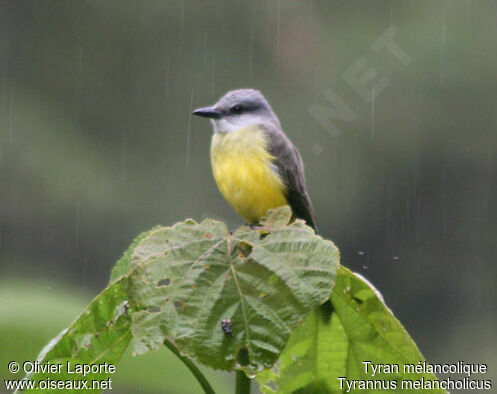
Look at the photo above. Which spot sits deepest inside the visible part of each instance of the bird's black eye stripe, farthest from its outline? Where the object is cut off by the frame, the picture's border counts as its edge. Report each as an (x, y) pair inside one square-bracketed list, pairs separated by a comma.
[(237, 108)]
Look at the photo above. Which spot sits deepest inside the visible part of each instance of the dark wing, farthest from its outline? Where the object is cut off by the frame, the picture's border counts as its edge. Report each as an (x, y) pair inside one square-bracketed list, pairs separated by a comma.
[(291, 170)]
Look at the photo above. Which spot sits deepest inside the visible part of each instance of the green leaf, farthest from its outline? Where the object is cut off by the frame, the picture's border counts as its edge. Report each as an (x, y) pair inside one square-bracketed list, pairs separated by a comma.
[(99, 335), (361, 328), (186, 279), (31, 313)]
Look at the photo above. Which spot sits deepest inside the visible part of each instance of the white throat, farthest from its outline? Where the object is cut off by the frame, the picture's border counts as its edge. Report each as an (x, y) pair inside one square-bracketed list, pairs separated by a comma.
[(229, 124)]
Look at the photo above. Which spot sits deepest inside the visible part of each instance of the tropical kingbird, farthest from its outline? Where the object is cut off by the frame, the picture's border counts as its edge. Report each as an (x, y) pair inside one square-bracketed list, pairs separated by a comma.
[(255, 165)]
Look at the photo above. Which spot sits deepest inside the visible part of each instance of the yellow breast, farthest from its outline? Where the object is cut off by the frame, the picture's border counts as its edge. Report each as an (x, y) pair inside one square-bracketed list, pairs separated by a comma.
[(242, 168)]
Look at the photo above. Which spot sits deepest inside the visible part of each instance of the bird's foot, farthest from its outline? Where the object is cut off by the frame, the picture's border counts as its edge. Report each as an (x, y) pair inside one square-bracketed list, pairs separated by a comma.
[(255, 227)]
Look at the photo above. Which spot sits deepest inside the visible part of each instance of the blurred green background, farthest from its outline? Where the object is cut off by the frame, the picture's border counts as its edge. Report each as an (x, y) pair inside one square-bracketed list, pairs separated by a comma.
[(97, 144)]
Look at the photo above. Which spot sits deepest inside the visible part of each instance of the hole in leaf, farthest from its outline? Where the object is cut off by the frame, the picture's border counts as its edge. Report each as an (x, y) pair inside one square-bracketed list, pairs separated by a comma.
[(245, 249), (155, 309), (179, 304), (164, 282), (263, 234), (242, 357)]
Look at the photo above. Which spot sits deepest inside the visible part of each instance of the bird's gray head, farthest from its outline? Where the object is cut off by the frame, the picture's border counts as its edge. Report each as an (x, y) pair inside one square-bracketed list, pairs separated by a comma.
[(238, 109)]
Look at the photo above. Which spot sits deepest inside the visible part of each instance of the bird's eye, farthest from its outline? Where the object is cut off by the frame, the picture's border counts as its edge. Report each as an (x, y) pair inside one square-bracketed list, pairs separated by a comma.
[(236, 109)]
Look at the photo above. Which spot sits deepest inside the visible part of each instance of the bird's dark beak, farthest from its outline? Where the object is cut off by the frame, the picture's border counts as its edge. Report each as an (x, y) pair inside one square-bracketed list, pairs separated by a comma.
[(207, 112)]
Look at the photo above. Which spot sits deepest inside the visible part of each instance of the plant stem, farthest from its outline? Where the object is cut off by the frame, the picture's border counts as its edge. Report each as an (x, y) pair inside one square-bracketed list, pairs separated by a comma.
[(242, 383), (201, 379)]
